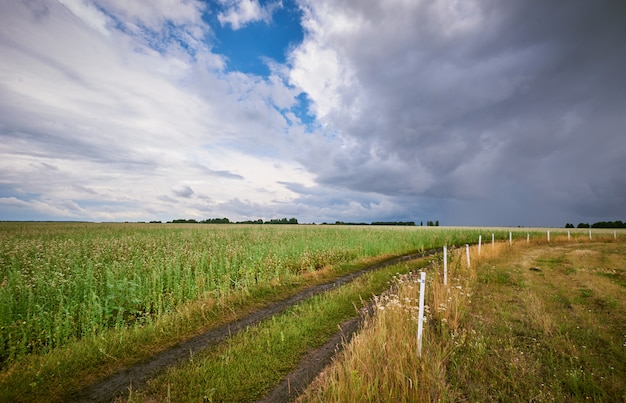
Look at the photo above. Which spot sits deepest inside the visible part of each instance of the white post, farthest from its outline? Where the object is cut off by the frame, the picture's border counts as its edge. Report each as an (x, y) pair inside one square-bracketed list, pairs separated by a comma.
[(590, 234), (420, 320), (480, 241), (510, 238), (548, 235), (445, 265), (528, 237), (467, 253), (614, 234), (568, 235), (493, 242)]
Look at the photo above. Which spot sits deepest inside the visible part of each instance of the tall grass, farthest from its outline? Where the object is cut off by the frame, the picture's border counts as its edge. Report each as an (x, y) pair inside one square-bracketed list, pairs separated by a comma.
[(66, 281), (250, 363), (381, 363), (538, 322)]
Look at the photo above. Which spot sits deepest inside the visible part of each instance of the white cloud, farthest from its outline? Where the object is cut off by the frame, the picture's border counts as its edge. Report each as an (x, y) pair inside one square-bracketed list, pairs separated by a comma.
[(155, 12), (239, 13), (89, 14), (112, 110), (115, 127), (321, 68)]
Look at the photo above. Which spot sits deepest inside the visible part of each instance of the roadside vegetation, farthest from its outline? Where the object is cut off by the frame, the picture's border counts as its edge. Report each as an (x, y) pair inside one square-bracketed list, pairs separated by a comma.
[(249, 364), (79, 301), (543, 321)]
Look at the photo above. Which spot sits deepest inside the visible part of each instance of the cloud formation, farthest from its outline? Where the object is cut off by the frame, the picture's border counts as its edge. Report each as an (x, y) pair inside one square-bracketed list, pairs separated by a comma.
[(476, 103), (473, 113), (238, 13)]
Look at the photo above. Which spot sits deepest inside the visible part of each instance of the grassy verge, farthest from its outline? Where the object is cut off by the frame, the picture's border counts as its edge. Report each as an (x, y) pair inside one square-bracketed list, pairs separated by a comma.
[(547, 324), (382, 363), (541, 322), (250, 363)]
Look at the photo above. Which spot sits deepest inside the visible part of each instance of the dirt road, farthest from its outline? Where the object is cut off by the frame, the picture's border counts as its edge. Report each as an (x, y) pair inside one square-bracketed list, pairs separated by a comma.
[(118, 384)]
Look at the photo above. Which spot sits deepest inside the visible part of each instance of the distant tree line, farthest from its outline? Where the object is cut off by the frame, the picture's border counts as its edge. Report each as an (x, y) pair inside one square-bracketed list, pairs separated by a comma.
[(401, 223), (599, 224), (293, 221), (227, 221), (398, 223)]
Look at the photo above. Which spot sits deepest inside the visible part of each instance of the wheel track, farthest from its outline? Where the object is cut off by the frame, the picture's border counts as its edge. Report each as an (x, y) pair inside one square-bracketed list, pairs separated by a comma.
[(118, 384)]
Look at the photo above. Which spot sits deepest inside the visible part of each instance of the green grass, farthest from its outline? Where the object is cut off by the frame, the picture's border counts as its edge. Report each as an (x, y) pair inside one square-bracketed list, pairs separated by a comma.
[(63, 282), (249, 364), (79, 301)]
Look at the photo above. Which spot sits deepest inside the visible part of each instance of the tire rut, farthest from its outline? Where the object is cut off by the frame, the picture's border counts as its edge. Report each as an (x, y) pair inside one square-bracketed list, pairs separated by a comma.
[(118, 384), (315, 361)]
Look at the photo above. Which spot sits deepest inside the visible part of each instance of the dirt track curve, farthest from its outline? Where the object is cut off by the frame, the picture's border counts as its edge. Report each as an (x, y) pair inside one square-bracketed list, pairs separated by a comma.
[(117, 385)]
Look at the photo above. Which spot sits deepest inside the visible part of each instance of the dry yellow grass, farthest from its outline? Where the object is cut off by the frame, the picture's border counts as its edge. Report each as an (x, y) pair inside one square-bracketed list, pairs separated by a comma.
[(536, 321), (382, 363)]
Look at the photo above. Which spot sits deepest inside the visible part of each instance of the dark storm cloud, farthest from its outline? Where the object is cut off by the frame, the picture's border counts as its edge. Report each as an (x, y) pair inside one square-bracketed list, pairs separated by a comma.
[(459, 104), (468, 112)]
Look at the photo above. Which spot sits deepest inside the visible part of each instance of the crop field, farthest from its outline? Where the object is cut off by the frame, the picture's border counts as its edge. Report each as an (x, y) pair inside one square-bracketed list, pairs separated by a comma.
[(69, 292)]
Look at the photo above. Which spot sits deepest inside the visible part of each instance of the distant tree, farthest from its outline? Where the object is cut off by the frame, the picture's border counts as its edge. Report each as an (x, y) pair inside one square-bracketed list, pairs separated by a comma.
[(583, 225), (398, 223), (184, 221), (568, 225), (282, 221), (216, 221), (608, 224), (259, 221), (437, 223)]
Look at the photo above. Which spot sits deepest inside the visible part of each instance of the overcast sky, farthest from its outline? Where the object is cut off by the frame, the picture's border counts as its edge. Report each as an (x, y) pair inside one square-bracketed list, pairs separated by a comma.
[(498, 113)]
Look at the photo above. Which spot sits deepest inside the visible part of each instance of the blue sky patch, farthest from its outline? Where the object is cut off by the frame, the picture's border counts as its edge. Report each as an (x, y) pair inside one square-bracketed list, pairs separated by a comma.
[(247, 48)]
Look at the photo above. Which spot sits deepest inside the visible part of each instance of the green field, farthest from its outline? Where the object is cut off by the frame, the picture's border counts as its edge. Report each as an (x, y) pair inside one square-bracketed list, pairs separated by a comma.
[(87, 298), (62, 282)]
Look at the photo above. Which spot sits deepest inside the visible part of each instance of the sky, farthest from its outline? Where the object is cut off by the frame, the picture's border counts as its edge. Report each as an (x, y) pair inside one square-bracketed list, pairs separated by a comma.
[(469, 112)]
